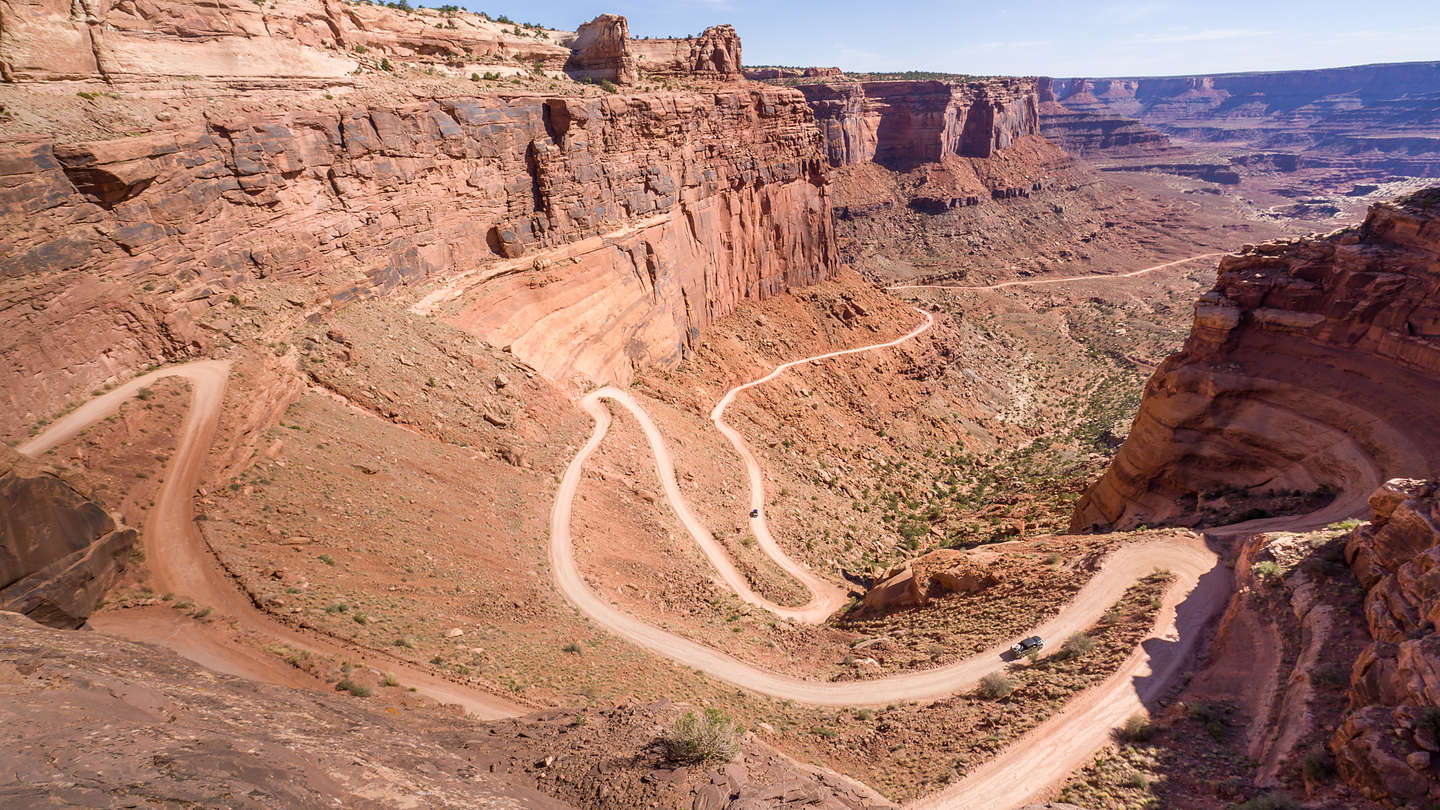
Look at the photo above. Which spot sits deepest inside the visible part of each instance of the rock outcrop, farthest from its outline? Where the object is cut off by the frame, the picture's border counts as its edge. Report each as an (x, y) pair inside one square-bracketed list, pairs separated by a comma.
[(1376, 116), (603, 50), (901, 125), (1389, 742), (59, 551), (1312, 365)]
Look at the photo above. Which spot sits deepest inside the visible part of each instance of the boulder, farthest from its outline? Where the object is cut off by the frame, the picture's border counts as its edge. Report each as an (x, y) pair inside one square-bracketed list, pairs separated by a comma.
[(59, 550), (900, 589)]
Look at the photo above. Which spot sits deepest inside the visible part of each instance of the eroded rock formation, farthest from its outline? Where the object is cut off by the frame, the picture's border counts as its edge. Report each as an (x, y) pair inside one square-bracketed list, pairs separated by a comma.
[(604, 50), (904, 124), (1389, 742), (1312, 364), (59, 551)]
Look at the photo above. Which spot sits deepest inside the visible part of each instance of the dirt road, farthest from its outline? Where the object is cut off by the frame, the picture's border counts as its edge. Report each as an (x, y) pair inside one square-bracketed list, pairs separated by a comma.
[(181, 562), (1034, 282)]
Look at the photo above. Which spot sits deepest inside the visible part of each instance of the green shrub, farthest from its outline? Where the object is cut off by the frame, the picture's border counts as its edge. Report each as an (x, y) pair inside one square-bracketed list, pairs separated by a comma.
[(994, 686), (1268, 570), (608, 86), (385, 65), (710, 736)]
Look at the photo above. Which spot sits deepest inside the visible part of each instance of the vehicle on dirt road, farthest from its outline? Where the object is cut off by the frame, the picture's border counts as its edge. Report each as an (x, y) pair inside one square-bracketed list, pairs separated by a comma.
[(1026, 645), (754, 513)]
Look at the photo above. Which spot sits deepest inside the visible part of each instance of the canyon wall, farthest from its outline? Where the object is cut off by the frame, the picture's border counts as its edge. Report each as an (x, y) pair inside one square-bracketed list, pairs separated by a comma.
[(1381, 116), (658, 212), (1313, 365), (1088, 130), (901, 125)]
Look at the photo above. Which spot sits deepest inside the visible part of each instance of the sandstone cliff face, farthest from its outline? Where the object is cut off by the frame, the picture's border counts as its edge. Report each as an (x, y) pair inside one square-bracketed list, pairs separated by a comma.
[(904, 124), (1312, 363), (1389, 742), (59, 551), (640, 218)]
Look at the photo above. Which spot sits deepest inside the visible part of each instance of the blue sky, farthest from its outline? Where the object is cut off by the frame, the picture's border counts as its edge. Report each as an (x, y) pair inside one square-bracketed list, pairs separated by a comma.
[(1030, 38)]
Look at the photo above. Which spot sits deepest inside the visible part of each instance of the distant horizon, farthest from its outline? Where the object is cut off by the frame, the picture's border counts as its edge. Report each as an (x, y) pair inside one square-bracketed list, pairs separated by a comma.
[(749, 64), (1111, 39)]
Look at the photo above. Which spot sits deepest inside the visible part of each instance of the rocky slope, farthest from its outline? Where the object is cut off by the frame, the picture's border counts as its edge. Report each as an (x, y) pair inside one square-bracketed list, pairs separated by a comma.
[(1311, 368), (181, 734), (1373, 116)]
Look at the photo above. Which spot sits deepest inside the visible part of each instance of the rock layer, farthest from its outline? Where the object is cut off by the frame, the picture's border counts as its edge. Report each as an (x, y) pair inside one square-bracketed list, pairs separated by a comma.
[(1092, 130), (1312, 363), (904, 124)]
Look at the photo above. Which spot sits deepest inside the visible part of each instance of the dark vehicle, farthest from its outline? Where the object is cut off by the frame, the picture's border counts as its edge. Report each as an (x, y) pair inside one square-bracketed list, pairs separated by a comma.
[(754, 513), (1026, 645)]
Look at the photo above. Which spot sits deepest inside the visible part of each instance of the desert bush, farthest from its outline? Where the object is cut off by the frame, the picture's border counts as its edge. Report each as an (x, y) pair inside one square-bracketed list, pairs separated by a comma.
[(356, 689), (1077, 645), (710, 736), (994, 686), (1318, 766), (608, 86), (1138, 728)]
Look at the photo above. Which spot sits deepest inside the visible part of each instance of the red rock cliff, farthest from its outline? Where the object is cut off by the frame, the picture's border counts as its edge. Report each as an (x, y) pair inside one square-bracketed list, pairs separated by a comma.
[(1311, 364), (903, 124), (1389, 742), (608, 231), (603, 49)]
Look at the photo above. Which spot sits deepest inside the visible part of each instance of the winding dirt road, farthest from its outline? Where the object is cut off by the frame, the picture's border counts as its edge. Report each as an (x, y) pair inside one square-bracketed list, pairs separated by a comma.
[(1031, 766), (181, 562), (1035, 282)]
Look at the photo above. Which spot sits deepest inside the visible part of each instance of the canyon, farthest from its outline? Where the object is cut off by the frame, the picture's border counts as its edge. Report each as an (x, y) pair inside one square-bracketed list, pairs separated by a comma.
[(407, 401)]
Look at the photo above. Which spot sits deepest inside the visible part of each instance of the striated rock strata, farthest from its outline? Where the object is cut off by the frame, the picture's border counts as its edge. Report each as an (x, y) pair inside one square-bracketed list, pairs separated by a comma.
[(59, 551), (1376, 116), (1389, 742), (903, 124), (1312, 364), (607, 231), (1091, 130)]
